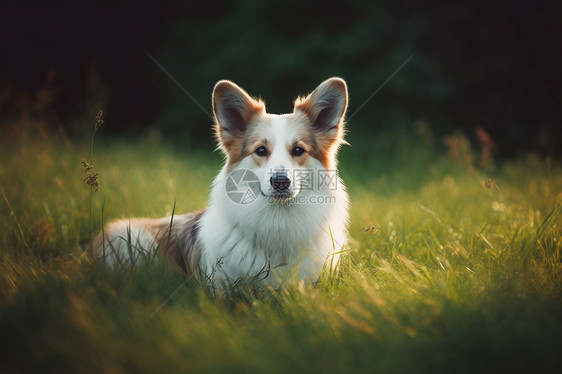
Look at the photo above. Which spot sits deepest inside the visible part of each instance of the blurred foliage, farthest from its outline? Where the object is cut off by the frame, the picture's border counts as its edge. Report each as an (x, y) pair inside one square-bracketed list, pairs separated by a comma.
[(279, 51), (468, 56), (477, 64)]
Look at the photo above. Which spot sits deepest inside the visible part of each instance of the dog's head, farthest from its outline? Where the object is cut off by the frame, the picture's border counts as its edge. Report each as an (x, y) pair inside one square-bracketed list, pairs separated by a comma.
[(279, 148)]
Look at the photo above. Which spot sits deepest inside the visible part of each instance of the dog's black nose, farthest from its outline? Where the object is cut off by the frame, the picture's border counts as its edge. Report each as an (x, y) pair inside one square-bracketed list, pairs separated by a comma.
[(280, 182)]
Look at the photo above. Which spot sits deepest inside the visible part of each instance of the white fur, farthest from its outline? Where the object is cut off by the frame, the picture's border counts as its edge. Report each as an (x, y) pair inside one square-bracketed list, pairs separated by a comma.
[(269, 242), (241, 240)]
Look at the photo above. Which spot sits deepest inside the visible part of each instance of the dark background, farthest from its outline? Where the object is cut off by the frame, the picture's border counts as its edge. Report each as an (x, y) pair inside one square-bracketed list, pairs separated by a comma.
[(477, 64)]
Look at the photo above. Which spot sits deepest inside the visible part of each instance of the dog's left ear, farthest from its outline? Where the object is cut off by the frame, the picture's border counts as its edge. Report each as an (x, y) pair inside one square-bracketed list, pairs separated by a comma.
[(326, 106)]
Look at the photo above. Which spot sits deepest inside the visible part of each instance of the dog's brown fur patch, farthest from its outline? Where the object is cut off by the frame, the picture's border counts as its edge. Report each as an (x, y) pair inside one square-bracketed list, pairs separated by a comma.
[(182, 244)]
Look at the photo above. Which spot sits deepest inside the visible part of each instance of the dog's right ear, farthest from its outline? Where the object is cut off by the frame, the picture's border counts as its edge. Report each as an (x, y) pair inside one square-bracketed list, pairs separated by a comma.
[(233, 109)]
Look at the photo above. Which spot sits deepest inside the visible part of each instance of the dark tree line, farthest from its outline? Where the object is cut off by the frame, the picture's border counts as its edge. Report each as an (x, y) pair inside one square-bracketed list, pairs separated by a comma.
[(476, 64)]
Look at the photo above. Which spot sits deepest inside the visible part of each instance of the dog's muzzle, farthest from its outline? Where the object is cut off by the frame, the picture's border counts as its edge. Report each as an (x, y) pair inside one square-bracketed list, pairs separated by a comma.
[(280, 182)]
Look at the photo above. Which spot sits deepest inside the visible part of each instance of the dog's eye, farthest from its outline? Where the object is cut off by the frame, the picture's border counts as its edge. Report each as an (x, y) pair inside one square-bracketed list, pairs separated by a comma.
[(261, 151), (297, 151)]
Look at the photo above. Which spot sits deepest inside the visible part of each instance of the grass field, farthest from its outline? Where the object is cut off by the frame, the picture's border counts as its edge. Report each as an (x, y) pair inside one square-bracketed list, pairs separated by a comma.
[(450, 269)]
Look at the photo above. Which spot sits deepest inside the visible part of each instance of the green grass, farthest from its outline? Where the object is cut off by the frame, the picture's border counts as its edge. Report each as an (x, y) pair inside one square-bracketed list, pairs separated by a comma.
[(452, 276)]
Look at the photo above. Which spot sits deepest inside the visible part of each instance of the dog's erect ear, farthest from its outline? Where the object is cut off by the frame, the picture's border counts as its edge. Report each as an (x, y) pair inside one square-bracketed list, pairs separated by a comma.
[(233, 108), (326, 106)]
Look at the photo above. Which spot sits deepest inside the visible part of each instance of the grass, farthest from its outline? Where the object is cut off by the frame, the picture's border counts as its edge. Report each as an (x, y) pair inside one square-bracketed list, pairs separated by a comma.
[(449, 269)]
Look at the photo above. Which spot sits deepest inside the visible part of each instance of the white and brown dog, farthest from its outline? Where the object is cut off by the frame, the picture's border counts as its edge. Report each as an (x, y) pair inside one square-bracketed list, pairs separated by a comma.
[(277, 210)]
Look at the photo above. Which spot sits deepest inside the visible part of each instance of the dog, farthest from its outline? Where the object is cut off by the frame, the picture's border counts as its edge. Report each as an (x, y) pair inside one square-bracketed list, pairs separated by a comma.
[(277, 210)]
